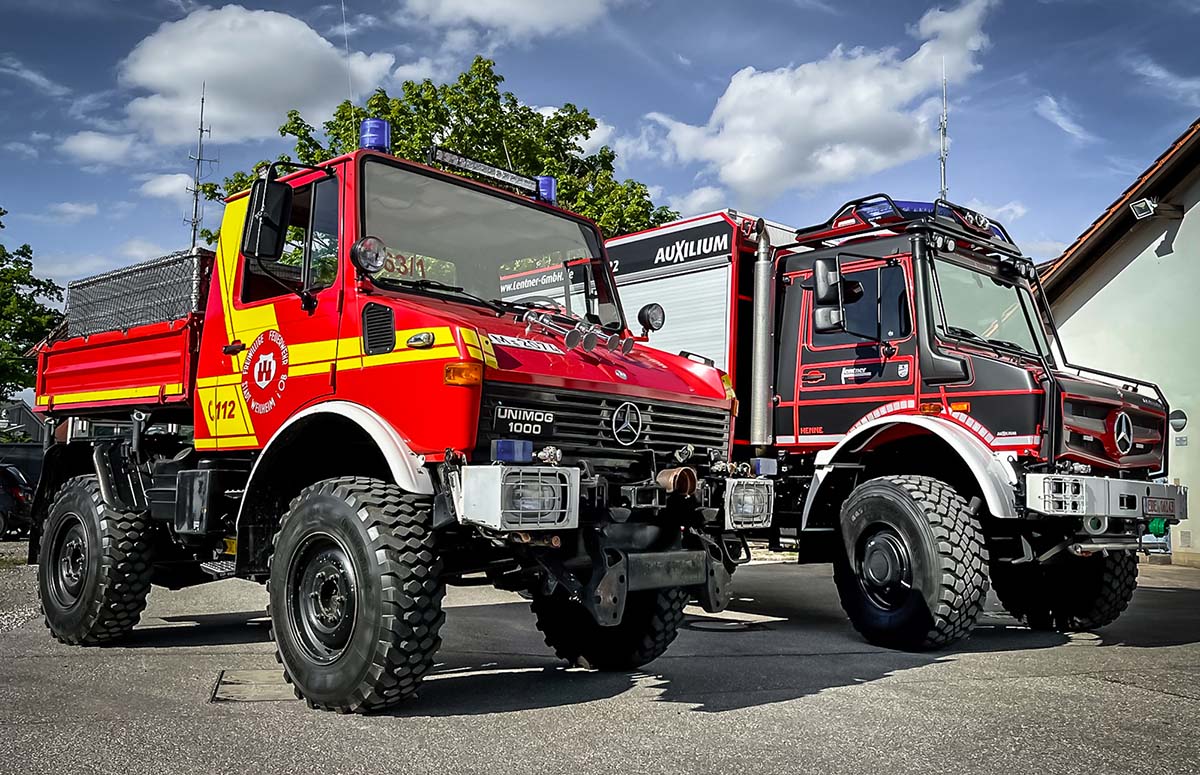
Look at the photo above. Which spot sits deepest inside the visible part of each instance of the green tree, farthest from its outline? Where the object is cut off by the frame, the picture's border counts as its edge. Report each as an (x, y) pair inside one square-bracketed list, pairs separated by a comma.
[(25, 318), (473, 116)]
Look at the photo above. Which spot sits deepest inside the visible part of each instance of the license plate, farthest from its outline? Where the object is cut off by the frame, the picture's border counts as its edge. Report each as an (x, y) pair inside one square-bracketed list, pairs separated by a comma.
[(1158, 507)]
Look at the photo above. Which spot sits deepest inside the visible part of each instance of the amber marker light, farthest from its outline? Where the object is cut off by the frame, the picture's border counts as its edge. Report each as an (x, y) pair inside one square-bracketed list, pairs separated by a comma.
[(463, 373), (930, 408)]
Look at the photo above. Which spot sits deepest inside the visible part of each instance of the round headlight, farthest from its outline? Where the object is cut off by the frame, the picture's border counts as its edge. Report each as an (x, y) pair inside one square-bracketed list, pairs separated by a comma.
[(652, 317), (369, 254)]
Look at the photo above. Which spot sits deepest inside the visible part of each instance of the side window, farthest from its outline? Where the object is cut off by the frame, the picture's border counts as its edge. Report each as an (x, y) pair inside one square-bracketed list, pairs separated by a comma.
[(883, 303), (310, 252)]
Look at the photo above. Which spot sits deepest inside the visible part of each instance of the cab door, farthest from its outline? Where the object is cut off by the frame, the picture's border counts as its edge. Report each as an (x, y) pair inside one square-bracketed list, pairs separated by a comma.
[(838, 380), (285, 318)]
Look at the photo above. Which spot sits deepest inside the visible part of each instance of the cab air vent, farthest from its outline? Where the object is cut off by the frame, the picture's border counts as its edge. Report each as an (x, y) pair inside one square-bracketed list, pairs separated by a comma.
[(379, 329)]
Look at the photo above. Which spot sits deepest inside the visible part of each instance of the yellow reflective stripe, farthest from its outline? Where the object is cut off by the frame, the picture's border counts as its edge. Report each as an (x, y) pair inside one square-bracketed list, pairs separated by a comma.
[(474, 352), (228, 442), (113, 394), (489, 354), (206, 443), (469, 336), (224, 379)]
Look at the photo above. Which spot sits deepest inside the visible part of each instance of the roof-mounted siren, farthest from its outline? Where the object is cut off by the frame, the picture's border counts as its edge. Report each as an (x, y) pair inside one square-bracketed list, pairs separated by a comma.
[(375, 134)]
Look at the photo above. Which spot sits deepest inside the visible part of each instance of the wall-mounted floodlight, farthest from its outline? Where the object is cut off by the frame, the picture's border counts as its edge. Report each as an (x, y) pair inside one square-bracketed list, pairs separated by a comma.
[(1150, 207)]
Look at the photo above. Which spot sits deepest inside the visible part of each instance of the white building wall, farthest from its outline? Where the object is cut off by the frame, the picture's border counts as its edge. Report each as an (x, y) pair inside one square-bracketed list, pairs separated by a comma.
[(1136, 311)]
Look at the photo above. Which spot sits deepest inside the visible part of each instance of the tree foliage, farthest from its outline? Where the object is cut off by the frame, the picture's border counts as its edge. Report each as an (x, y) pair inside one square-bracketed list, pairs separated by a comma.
[(473, 116), (25, 318)]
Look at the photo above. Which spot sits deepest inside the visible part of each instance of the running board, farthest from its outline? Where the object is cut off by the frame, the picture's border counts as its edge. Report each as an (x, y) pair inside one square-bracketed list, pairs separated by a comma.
[(219, 569)]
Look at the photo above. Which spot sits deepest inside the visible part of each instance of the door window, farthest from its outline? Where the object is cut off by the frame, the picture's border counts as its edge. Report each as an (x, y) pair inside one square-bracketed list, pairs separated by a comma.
[(882, 306), (309, 254)]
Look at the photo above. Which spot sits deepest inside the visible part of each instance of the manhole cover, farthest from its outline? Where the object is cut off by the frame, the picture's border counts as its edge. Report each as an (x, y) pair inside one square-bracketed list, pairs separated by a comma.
[(252, 686)]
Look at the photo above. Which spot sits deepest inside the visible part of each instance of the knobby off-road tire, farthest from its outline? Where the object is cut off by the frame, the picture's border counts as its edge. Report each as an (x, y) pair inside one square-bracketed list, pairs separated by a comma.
[(94, 566), (915, 573), (355, 594), (651, 621), (1075, 594)]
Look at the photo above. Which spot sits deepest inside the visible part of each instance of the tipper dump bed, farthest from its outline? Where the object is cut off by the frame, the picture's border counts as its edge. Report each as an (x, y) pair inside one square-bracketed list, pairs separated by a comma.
[(128, 337)]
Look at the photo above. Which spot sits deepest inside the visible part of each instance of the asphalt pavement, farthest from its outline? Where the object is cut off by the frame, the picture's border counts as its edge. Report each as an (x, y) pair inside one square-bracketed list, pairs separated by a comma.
[(778, 684)]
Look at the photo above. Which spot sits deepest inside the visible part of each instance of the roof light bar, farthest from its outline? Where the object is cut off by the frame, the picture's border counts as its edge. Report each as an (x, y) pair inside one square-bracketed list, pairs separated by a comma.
[(525, 185)]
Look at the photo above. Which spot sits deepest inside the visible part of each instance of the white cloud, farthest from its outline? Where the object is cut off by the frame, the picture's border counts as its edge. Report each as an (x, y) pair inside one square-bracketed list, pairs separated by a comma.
[(10, 65), (354, 25), (63, 268), (602, 135), (512, 19), (851, 114), (264, 63), (1043, 249), (173, 186), (1182, 89), (1005, 213), (701, 200), (681, 59), (66, 212), (422, 68), (1050, 109), (21, 149), (138, 249), (100, 148)]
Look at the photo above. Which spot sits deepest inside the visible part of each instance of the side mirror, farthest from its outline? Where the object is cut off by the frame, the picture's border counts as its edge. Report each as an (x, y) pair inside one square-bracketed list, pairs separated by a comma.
[(652, 317), (827, 281), (266, 226), (828, 320)]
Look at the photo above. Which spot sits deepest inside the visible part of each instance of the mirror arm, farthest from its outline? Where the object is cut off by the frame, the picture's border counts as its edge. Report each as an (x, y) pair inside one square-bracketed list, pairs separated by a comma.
[(272, 172), (307, 301)]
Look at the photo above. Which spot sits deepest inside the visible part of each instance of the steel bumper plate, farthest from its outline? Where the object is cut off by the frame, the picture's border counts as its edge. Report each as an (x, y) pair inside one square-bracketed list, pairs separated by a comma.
[(1100, 496)]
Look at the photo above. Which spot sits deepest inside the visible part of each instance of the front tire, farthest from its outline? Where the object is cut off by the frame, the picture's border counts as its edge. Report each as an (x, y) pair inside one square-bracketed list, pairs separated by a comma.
[(914, 575), (94, 566), (355, 594), (1076, 594), (651, 621)]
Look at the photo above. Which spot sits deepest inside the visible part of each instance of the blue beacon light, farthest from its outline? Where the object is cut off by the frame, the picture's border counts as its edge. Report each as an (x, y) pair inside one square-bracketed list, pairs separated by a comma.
[(547, 188), (375, 134)]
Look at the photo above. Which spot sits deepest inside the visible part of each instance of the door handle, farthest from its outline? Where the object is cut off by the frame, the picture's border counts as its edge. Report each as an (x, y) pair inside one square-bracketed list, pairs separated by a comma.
[(813, 377), (233, 348)]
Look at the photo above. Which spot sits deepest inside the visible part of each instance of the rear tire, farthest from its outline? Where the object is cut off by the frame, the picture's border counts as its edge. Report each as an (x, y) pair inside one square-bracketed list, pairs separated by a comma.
[(914, 576), (650, 622), (94, 566), (1075, 595), (356, 594)]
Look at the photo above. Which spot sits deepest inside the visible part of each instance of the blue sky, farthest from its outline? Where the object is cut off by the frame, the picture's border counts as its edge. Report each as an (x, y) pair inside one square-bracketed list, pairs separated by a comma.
[(781, 107)]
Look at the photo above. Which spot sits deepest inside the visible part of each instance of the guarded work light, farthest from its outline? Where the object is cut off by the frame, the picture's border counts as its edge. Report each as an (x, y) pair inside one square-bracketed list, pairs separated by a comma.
[(375, 134)]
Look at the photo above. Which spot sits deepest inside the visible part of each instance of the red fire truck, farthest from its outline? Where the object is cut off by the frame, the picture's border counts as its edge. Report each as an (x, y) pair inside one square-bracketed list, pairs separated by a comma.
[(926, 431), (359, 398)]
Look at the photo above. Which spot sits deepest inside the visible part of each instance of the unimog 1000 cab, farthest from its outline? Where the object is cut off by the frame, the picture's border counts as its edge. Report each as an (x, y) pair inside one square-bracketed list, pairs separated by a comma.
[(928, 434), (386, 378)]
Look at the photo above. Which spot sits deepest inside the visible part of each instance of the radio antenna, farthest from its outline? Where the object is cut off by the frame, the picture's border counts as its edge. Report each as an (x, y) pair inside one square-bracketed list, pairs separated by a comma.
[(943, 126), (346, 42), (196, 218)]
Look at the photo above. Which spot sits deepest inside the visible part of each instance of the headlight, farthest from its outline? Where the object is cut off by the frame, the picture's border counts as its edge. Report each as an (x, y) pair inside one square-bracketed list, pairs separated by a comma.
[(532, 498), (369, 254)]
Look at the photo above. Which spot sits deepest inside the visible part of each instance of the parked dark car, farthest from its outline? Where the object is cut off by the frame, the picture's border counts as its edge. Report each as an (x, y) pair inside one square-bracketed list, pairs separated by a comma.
[(15, 494)]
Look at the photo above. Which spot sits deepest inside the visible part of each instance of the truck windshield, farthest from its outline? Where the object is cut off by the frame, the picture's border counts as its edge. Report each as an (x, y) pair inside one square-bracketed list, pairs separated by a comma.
[(976, 306), (458, 239)]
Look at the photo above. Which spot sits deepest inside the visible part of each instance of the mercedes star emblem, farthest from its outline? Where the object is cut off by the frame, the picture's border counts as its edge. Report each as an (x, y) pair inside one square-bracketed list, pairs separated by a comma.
[(1123, 433), (627, 424)]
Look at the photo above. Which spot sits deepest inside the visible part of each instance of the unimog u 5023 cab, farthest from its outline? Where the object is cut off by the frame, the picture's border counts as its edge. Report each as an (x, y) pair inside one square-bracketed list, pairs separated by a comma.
[(902, 372), (387, 378)]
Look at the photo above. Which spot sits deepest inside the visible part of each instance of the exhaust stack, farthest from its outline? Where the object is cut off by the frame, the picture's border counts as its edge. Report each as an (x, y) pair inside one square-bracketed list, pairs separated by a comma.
[(761, 369)]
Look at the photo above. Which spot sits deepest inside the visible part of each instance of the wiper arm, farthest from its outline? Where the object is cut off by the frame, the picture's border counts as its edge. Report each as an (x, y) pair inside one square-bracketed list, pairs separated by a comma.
[(1011, 345), (438, 285), (966, 333)]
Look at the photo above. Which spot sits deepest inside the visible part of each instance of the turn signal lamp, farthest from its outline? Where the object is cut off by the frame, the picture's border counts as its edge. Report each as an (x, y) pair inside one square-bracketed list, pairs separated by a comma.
[(463, 373), (930, 408), (961, 406)]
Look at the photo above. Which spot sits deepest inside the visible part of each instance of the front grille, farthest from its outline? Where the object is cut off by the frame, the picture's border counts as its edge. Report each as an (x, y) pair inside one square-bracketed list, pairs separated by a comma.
[(1089, 434), (583, 429)]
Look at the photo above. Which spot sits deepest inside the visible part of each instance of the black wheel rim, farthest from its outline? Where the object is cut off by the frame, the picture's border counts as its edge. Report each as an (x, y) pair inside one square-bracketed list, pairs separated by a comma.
[(322, 592), (885, 568), (70, 558)]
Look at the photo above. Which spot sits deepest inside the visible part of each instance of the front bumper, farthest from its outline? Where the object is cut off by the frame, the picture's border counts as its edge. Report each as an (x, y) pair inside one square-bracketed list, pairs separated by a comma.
[(1096, 496)]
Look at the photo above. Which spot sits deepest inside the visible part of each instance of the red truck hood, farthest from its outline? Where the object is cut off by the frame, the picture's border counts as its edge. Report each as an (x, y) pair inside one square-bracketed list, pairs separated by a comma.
[(536, 357)]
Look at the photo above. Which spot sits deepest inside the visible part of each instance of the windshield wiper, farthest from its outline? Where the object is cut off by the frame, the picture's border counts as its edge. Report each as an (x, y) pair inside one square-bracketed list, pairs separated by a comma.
[(1011, 345), (438, 285), (965, 333)]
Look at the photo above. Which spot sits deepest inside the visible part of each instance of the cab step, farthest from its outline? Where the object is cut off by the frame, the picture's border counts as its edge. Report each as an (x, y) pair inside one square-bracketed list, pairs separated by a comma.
[(218, 569)]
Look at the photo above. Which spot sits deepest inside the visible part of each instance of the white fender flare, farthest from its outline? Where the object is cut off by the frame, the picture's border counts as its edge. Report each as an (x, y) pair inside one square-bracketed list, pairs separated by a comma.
[(407, 468), (994, 472)]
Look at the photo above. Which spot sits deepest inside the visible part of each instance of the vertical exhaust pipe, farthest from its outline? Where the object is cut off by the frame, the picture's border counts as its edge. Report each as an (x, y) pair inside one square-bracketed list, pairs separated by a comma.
[(762, 363)]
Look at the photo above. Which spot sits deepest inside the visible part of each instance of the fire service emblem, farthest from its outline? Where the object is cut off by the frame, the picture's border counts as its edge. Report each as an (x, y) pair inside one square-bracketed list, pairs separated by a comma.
[(265, 371)]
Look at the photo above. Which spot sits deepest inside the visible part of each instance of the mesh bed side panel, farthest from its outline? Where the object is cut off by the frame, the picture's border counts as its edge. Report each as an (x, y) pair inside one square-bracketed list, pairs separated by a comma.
[(155, 291)]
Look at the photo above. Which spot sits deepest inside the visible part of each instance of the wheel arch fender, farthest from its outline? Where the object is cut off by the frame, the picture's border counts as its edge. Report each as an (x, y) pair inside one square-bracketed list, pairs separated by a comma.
[(993, 473), (388, 450)]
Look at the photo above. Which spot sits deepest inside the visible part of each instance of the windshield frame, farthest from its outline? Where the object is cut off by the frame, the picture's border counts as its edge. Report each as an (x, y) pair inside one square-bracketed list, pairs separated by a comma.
[(603, 282), (1035, 325)]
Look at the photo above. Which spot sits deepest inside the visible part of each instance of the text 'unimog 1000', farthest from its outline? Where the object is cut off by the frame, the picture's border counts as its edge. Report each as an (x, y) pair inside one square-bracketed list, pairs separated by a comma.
[(387, 378), (928, 433)]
